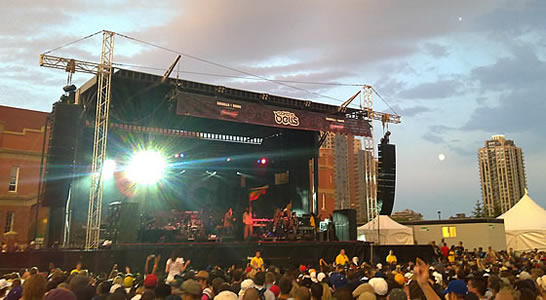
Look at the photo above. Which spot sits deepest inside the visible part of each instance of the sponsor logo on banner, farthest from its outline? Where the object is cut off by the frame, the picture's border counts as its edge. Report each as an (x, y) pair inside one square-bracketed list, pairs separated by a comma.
[(286, 118)]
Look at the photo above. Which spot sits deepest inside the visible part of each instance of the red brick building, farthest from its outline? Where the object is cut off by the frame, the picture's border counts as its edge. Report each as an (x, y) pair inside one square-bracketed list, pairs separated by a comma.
[(21, 143)]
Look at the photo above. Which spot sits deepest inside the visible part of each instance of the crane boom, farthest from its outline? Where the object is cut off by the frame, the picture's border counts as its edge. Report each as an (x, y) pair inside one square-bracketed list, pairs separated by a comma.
[(68, 64)]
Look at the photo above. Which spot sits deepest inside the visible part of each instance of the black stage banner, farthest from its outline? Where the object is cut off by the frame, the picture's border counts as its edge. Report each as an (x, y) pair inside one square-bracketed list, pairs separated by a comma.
[(267, 115)]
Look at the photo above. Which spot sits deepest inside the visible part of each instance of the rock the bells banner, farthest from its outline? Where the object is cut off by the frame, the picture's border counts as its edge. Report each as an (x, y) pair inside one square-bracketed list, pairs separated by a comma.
[(195, 105)]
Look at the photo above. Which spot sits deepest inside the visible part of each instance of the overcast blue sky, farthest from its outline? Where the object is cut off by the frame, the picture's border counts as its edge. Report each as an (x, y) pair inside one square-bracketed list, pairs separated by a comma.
[(457, 71)]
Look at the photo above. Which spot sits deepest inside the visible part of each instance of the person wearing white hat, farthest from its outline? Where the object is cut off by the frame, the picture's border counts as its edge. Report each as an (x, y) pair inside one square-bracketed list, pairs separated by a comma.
[(246, 284)]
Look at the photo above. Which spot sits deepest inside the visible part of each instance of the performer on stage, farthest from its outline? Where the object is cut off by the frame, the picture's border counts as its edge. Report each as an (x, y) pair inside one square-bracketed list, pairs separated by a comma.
[(228, 222), (248, 222), (287, 212)]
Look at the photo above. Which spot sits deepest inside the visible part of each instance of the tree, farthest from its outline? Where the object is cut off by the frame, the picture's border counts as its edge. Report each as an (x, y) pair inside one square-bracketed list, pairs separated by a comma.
[(478, 211)]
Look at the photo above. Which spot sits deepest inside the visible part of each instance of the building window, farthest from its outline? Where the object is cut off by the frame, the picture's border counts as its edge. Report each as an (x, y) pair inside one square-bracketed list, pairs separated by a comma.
[(10, 219), (449, 232), (13, 179)]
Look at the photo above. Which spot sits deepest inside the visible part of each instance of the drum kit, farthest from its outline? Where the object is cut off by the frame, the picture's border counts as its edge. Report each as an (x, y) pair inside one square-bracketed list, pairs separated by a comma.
[(187, 225)]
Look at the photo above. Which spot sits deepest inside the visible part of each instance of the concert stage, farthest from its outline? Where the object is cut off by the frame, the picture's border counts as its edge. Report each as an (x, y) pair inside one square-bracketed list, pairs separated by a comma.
[(203, 254), (210, 148)]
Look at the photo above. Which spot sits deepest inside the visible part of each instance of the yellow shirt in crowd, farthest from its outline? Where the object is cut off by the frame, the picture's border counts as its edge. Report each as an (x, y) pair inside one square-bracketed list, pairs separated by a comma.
[(257, 262), (341, 259), (391, 259)]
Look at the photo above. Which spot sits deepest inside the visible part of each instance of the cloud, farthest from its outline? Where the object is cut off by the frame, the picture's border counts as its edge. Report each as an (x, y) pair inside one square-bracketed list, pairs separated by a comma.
[(411, 111), (435, 50), (433, 90), (523, 70), (434, 138)]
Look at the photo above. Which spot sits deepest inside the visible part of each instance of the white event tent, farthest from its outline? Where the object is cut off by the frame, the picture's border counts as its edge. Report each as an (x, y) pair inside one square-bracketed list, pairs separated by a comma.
[(390, 232), (525, 225)]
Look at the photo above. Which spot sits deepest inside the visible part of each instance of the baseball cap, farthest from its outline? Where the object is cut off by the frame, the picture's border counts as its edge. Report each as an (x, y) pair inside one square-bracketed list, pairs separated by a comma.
[(399, 278), (276, 290), (338, 280), (202, 274), (226, 295), (379, 285), (128, 281), (191, 287), (363, 288), (150, 280), (458, 287)]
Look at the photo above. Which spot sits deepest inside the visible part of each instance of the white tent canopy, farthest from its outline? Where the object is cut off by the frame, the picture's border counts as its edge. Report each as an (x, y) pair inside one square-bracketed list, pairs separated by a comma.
[(390, 232), (525, 225)]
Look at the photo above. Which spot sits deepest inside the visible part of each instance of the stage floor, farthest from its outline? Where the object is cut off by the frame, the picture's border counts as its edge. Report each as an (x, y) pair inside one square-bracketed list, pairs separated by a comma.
[(203, 254)]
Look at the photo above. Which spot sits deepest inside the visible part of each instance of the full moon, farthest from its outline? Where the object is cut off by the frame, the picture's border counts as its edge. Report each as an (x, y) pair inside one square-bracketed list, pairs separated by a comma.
[(441, 156)]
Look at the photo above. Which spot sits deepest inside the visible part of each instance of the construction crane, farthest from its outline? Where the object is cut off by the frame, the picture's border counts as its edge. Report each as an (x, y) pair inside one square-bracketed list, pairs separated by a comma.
[(103, 71), (370, 159)]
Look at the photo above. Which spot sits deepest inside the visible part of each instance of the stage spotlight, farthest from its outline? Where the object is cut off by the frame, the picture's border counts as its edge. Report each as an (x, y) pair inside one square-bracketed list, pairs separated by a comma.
[(179, 155), (211, 173), (108, 169), (239, 173), (228, 159), (262, 161), (146, 167)]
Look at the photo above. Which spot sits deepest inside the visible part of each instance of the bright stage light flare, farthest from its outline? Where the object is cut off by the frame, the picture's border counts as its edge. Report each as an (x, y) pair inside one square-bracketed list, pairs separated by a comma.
[(146, 167), (108, 169), (441, 157)]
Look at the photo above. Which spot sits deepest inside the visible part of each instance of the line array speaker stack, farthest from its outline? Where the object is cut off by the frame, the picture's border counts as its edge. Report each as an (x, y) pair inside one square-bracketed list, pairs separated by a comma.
[(386, 178), (345, 222), (63, 135)]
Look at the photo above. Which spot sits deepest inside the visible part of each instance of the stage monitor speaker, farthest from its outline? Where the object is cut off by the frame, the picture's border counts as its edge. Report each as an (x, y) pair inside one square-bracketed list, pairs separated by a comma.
[(386, 178), (64, 130), (125, 222), (345, 222)]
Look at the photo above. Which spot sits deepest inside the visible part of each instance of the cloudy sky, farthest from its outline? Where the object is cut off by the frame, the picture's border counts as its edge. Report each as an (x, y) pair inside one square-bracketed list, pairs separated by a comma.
[(457, 71)]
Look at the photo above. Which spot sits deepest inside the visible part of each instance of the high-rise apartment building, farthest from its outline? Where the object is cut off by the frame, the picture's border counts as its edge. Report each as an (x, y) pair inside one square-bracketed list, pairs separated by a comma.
[(341, 176), (502, 175)]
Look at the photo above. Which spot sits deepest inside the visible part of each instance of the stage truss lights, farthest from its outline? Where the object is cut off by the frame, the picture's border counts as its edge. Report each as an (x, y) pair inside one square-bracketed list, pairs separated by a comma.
[(146, 167), (108, 169)]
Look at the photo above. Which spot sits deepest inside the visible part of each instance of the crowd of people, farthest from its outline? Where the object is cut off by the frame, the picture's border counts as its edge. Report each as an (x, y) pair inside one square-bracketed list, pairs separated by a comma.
[(455, 274)]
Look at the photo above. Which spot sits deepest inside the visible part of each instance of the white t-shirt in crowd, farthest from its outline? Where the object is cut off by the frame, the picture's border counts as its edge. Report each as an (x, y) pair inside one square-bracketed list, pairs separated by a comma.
[(174, 267)]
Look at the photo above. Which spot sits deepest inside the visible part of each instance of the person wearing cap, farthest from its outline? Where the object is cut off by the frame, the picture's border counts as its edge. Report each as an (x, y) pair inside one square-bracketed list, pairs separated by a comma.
[(341, 258), (202, 278), (456, 290), (247, 284)]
